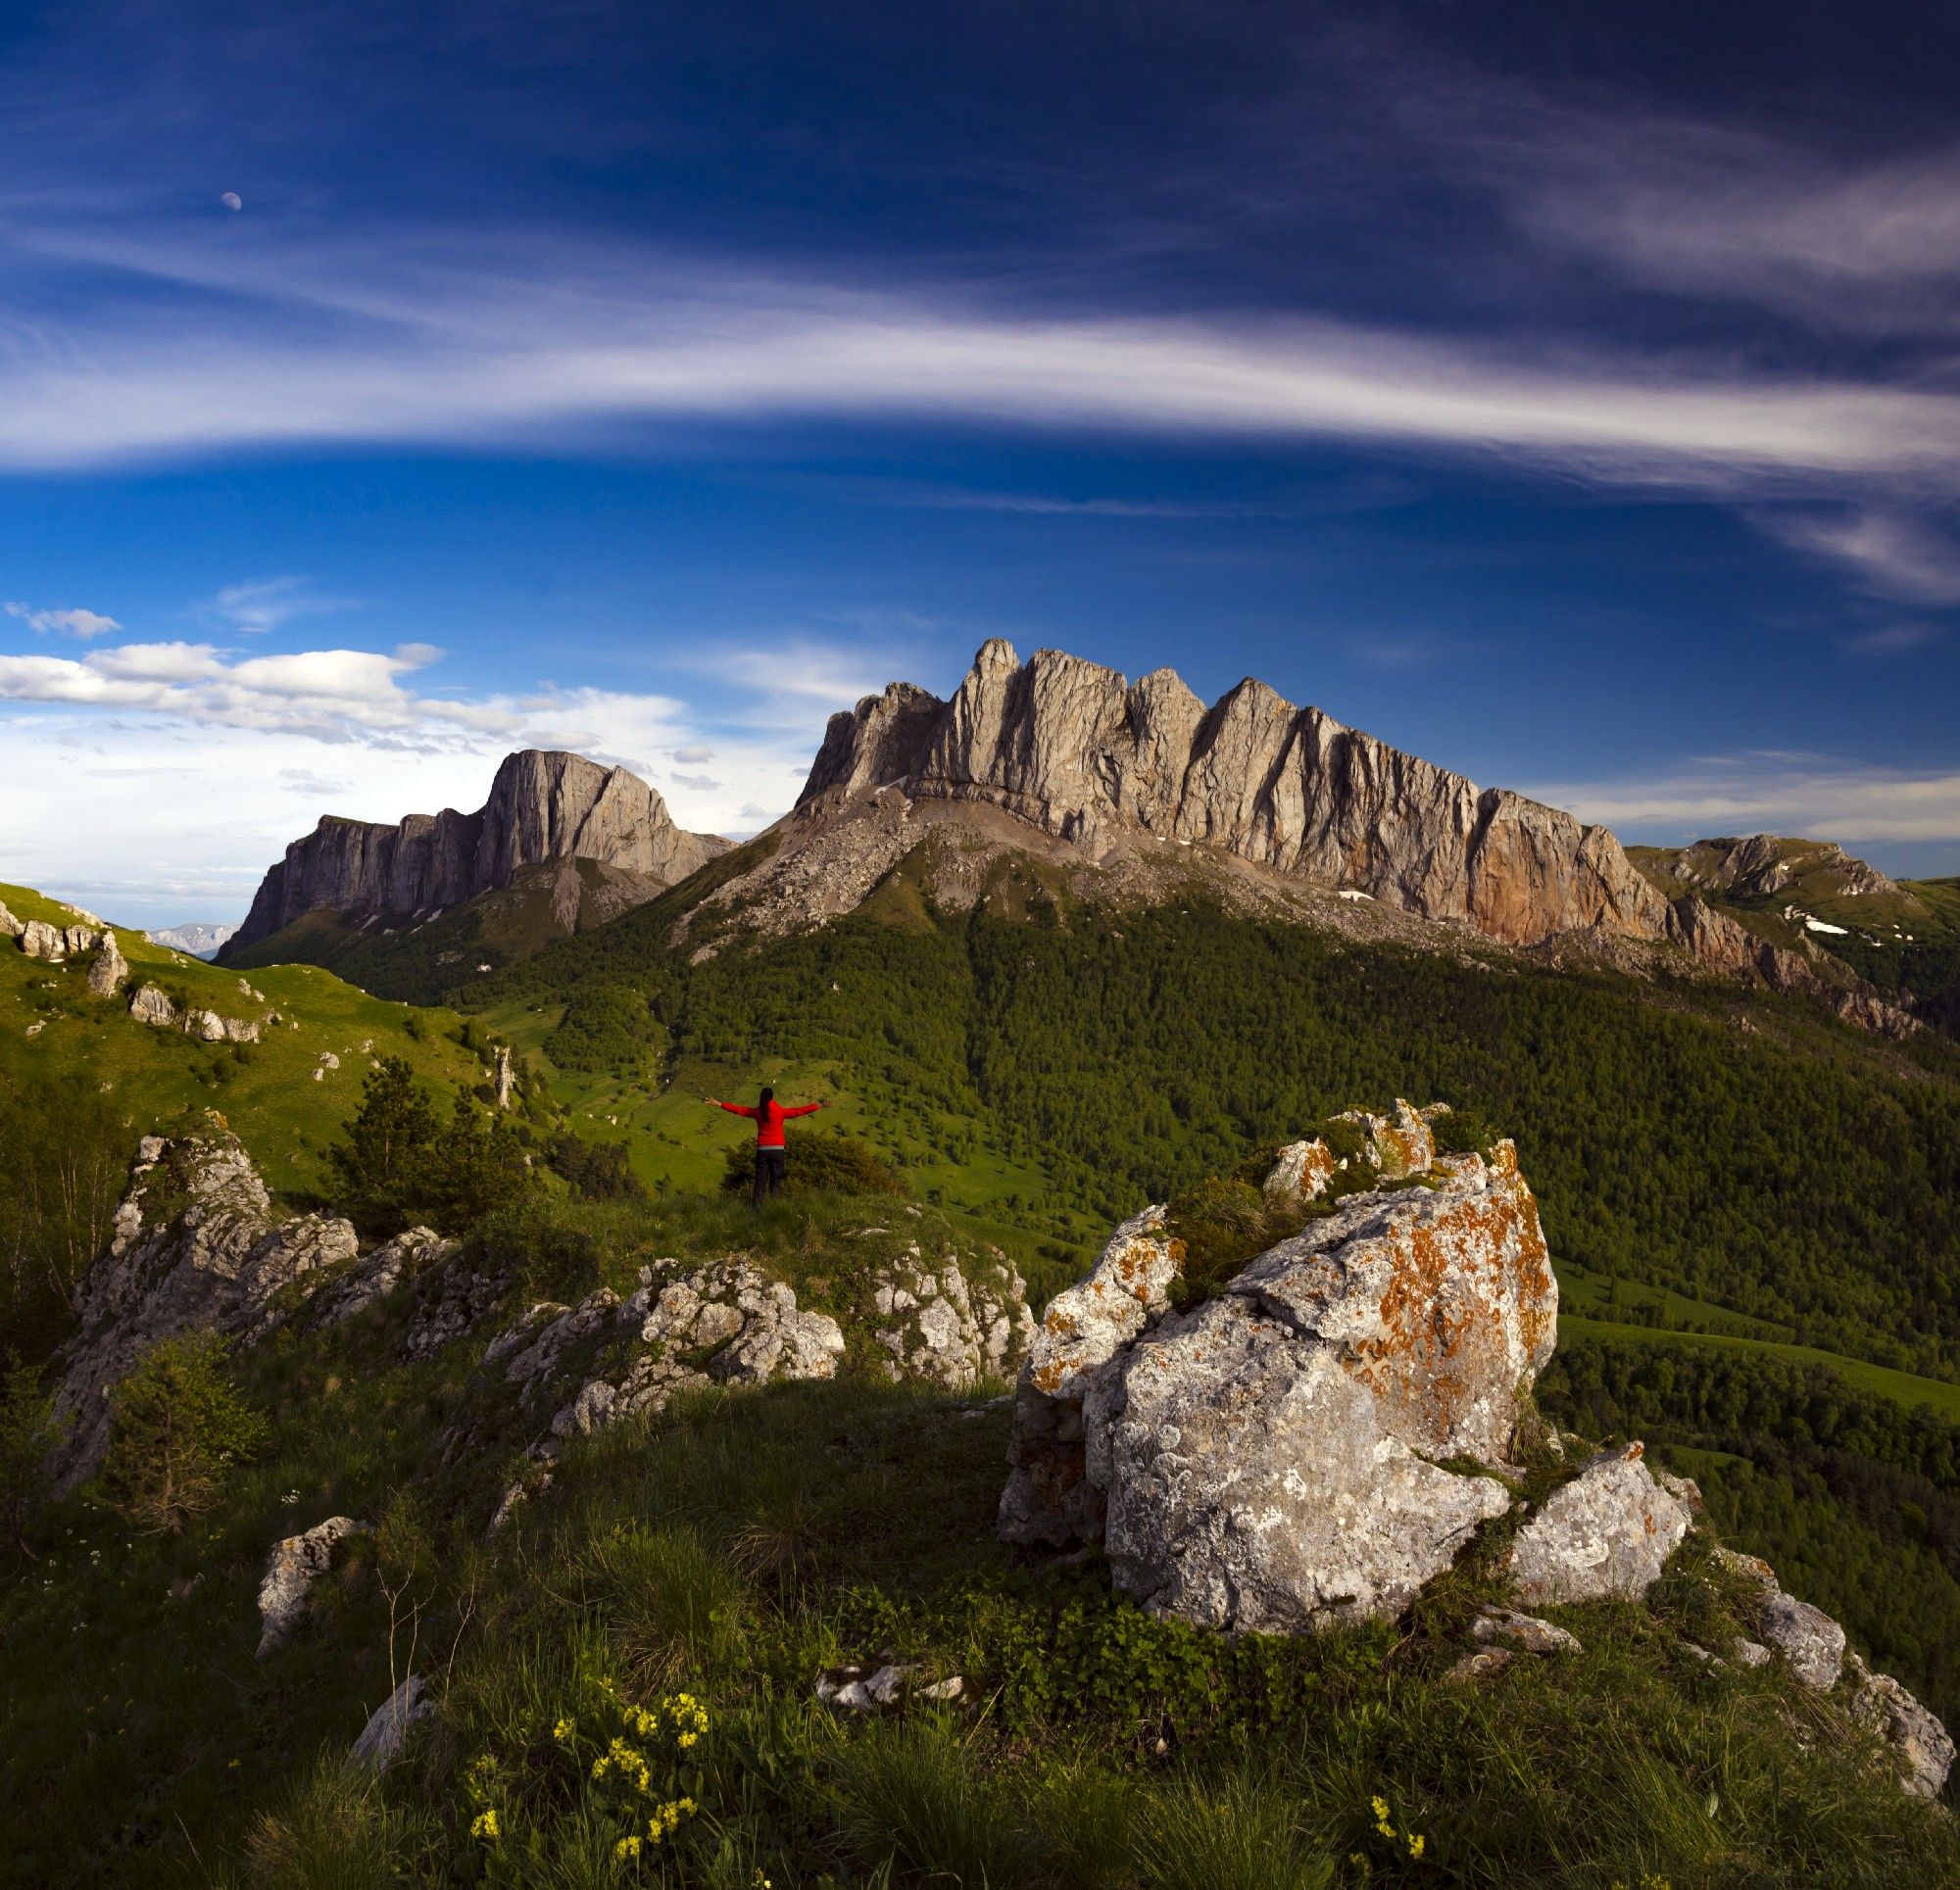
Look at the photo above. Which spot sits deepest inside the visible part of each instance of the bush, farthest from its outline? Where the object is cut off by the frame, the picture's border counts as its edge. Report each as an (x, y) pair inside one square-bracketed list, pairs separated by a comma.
[(819, 1165), (29, 1431), (179, 1426), (1463, 1131), (1222, 1225), (544, 1256), (597, 1171)]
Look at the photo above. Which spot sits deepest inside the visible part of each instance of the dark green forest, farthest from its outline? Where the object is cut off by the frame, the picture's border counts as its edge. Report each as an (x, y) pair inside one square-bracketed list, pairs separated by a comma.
[(1741, 1151), (1853, 1499)]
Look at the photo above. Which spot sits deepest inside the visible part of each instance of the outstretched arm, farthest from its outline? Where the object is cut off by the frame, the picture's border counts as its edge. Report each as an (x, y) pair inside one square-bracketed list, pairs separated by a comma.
[(733, 1108), (804, 1109)]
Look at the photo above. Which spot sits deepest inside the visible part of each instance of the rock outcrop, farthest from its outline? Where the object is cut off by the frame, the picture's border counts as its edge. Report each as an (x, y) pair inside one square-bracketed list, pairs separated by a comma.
[(1089, 758), (56, 942), (387, 1729), (294, 1566), (196, 1247), (1920, 1746), (1607, 1533), (725, 1323), (1275, 1456), (941, 1327), (1759, 866), (109, 968), (544, 805)]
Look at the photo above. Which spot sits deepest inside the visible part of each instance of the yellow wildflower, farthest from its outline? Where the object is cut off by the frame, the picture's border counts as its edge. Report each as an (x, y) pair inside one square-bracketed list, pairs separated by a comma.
[(485, 1827), (1415, 1844), (627, 1847), (564, 1730)]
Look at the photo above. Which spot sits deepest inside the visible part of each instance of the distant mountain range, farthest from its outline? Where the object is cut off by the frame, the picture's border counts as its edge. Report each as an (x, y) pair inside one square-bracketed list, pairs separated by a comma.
[(1136, 788), (197, 938)]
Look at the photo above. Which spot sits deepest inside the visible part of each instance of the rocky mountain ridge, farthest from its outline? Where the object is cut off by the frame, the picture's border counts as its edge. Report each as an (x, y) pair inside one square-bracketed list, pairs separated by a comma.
[(1103, 768), (544, 805)]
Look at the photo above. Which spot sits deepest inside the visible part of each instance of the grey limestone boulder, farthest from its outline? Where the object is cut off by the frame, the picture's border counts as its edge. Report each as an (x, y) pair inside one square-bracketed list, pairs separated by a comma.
[(1921, 1749), (108, 969), (1805, 1637), (387, 1729), (1274, 1456), (294, 1566), (1608, 1532)]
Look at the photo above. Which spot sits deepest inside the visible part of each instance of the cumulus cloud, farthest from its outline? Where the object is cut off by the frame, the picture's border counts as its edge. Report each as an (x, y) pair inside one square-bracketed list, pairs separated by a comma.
[(71, 623), (90, 741)]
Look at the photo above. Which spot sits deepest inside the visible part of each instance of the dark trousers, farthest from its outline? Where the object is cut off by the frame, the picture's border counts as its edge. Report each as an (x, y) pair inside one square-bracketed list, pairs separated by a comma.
[(768, 1171)]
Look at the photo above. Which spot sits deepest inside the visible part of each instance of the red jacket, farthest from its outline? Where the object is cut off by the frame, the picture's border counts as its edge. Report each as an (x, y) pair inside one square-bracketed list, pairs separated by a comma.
[(769, 1126)]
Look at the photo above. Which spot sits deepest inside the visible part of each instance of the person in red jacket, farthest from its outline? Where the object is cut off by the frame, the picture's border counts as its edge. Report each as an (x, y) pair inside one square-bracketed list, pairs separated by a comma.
[(768, 1116)]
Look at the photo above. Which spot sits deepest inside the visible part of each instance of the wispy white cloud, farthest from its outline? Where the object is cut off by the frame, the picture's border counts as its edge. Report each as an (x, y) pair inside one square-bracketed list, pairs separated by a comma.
[(1892, 553), (71, 623), (403, 342), (1867, 244), (269, 603), (1748, 793)]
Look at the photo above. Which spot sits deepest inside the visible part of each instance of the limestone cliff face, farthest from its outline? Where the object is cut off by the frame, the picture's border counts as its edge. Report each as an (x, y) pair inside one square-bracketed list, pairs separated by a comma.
[(1081, 753), (544, 805)]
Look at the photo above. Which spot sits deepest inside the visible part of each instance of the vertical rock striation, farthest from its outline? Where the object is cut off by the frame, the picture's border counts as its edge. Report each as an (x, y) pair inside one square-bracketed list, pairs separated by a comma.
[(1085, 755), (544, 805)]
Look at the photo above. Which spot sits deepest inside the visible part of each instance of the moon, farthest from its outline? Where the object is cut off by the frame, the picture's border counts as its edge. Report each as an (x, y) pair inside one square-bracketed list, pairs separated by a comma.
[(232, 201)]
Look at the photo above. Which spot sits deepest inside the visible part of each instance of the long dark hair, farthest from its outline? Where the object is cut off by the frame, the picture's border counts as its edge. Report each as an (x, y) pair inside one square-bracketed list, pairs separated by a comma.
[(762, 1107)]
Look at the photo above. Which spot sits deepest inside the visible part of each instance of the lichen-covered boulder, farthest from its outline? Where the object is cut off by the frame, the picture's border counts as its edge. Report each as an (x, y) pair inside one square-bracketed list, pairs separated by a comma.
[(1920, 1748), (1048, 1499), (951, 1325), (1805, 1637), (1607, 1533), (294, 1566), (1300, 1172), (1399, 1143), (195, 1248), (1270, 1458)]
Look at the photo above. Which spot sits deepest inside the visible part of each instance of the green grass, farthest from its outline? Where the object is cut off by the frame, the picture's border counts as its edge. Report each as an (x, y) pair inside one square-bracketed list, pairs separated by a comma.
[(161, 1078), (740, 1544)]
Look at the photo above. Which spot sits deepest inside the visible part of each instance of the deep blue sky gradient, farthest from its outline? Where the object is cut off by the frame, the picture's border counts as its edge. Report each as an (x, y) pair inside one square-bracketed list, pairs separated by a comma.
[(1655, 196)]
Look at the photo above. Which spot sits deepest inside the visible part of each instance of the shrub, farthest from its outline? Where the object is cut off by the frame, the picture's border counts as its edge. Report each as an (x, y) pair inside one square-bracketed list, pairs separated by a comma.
[(597, 1171), (1223, 1224), (544, 1256), (29, 1431), (1463, 1131), (179, 1426), (819, 1165)]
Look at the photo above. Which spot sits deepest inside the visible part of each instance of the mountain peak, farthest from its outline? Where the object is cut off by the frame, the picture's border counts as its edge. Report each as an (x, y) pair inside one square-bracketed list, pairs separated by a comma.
[(544, 805)]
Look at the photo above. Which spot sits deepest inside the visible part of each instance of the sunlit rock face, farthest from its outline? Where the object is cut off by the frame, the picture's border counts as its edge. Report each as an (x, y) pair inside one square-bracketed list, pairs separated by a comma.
[(544, 805), (1274, 1456)]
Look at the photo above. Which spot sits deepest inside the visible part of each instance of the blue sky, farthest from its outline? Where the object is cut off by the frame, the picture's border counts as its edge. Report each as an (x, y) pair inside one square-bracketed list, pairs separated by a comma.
[(1572, 400)]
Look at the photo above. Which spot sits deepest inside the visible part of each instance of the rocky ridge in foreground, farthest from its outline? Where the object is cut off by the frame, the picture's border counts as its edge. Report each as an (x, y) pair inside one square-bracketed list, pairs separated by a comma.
[(1346, 1415)]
